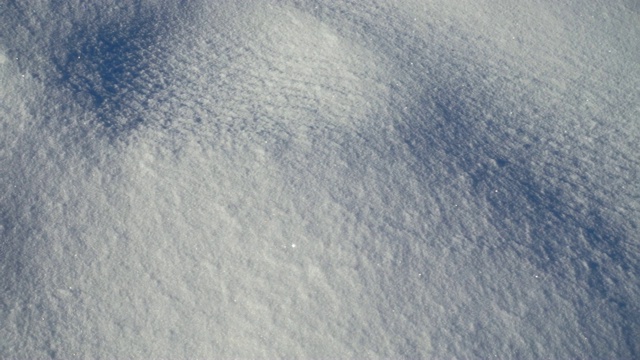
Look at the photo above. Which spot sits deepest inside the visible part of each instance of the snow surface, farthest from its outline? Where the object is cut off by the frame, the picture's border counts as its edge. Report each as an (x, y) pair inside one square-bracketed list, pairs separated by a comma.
[(320, 179)]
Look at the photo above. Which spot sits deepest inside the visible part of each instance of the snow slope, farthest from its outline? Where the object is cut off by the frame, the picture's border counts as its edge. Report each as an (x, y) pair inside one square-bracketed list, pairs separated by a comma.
[(297, 179)]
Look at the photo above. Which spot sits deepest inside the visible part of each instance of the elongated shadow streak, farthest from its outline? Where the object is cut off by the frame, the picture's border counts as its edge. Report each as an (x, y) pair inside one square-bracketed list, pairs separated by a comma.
[(560, 224)]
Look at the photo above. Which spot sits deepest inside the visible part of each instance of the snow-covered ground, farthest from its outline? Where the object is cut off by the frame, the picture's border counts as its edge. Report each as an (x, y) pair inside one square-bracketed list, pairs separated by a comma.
[(320, 179)]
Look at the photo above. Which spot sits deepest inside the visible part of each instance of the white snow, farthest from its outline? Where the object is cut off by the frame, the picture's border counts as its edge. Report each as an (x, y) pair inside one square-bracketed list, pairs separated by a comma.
[(320, 179)]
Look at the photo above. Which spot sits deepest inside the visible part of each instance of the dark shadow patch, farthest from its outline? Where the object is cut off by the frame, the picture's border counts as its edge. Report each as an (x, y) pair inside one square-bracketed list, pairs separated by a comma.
[(109, 68), (501, 162)]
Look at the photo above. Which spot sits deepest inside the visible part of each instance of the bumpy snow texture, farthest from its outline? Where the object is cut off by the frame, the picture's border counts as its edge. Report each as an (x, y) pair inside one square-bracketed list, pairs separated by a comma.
[(320, 179)]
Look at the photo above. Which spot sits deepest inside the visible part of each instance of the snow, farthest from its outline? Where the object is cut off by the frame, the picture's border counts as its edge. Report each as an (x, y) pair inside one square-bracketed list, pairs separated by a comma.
[(292, 179)]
